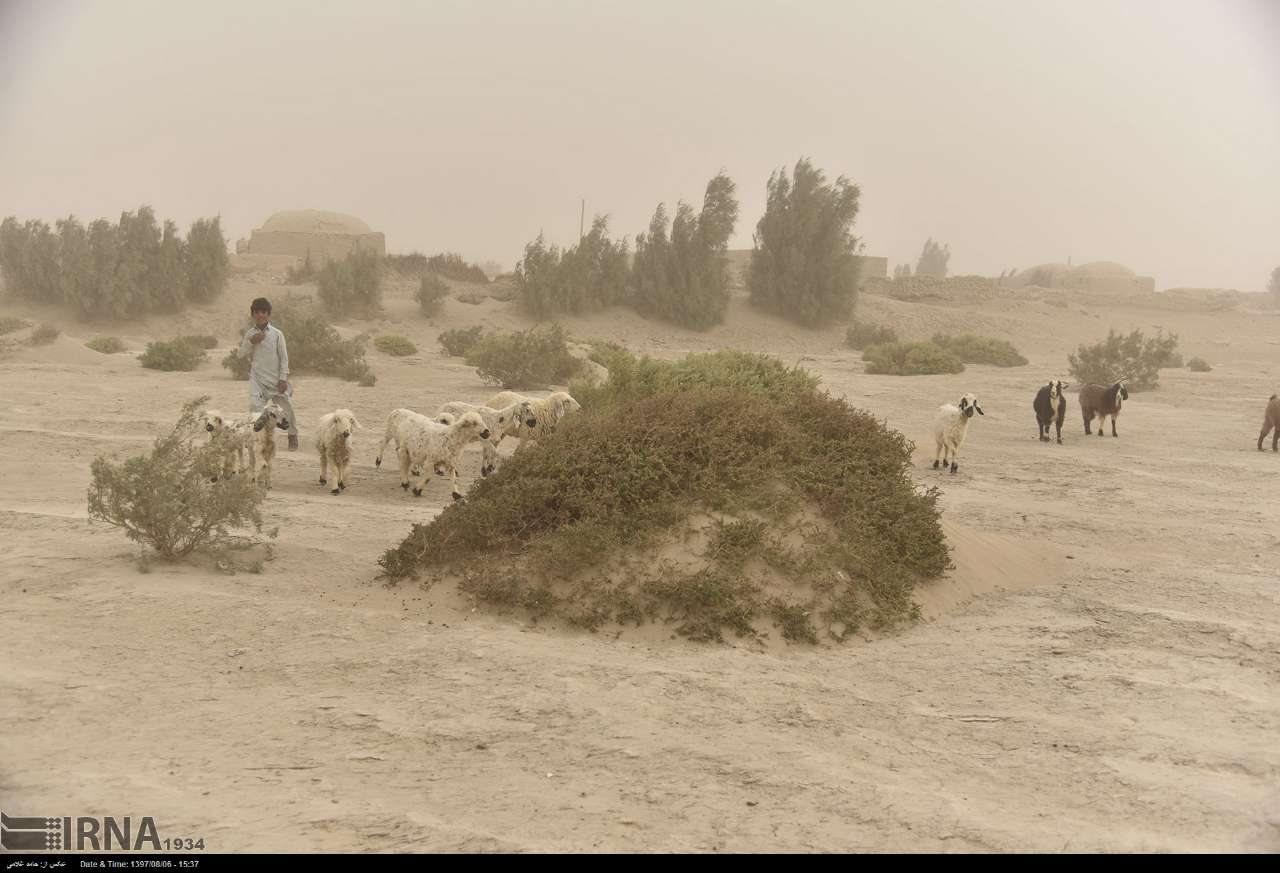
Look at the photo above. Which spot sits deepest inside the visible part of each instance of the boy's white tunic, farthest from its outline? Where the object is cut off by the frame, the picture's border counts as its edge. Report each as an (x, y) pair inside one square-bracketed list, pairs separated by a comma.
[(269, 366)]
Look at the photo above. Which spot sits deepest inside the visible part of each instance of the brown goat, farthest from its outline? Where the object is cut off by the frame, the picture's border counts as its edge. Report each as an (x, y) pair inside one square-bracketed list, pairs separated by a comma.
[(1271, 424), (1100, 401)]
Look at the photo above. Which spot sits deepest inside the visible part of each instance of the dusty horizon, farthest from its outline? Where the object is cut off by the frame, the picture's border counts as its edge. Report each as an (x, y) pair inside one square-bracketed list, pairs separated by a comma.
[(1016, 134)]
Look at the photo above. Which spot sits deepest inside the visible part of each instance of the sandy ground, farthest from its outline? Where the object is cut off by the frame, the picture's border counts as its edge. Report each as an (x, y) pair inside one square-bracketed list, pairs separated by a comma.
[(1101, 673)]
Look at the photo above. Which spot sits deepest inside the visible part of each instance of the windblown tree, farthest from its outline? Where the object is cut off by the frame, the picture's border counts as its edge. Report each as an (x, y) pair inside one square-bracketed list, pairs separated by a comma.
[(803, 265), (683, 277)]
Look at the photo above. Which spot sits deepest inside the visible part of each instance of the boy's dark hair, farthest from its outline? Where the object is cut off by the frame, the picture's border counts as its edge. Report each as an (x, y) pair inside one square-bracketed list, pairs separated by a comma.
[(262, 304)]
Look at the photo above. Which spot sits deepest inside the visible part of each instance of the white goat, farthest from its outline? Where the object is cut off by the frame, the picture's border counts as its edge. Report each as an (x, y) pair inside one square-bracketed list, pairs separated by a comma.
[(501, 423), (547, 412), (232, 437), (264, 440), (423, 444), (334, 443), (950, 427)]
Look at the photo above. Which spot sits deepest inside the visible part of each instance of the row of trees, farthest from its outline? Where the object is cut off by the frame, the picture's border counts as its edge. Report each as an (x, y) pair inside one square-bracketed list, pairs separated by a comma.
[(114, 270), (803, 264)]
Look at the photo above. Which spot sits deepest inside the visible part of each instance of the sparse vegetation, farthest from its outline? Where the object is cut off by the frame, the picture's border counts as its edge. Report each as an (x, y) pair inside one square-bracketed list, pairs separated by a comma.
[(803, 265), (457, 342), (431, 294), (910, 359), (172, 355), (107, 345), (862, 334), (1133, 357), (10, 323), (44, 334), (1198, 365), (352, 285), (172, 498), (314, 346), (395, 345), (972, 349), (200, 340), (683, 277), (933, 260), (450, 265), (533, 358), (582, 278), (811, 518)]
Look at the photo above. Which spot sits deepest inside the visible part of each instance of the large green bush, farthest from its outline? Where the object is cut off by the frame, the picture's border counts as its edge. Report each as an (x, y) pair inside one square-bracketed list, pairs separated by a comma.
[(862, 334), (173, 355), (910, 359), (980, 350), (1134, 357), (533, 358), (457, 342), (815, 525)]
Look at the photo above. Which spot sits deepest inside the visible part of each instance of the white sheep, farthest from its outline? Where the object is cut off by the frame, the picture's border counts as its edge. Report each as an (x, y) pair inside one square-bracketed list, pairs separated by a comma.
[(423, 444), (232, 439), (950, 427), (501, 423), (334, 443), (264, 440), (547, 412)]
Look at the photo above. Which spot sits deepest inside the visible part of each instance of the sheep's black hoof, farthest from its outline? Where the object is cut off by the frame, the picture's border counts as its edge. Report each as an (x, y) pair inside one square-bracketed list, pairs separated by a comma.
[(457, 497), (404, 485), (1059, 440), (215, 478), (336, 491), (953, 468), (323, 481), (935, 465), (342, 486), (417, 492), (377, 462)]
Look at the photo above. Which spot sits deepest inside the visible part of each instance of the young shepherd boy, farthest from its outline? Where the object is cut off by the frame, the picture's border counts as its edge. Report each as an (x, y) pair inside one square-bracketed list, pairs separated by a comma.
[(269, 369)]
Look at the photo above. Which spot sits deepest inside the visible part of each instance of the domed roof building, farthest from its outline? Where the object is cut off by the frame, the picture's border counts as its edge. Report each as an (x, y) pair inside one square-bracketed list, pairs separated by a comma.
[(1104, 276), (314, 233)]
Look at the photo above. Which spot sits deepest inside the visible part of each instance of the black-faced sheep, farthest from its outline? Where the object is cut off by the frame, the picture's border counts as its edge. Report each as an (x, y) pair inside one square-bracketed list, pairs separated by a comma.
[(547, 412), (502, 423), (950, 427)]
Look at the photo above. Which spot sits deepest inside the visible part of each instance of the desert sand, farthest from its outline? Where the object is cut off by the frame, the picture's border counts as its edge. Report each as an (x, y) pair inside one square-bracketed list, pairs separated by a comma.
[(1101, 672)]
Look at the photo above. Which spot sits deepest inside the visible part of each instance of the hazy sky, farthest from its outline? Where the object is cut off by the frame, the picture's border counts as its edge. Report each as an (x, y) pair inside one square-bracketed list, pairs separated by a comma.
[(1017, 132)]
